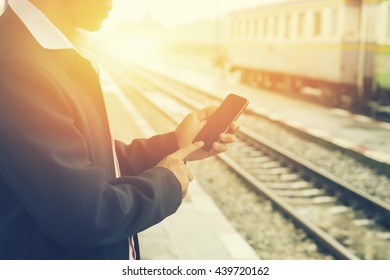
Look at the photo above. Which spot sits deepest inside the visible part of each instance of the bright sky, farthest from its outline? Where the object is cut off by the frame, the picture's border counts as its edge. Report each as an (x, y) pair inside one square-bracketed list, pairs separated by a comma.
[(171, 12)]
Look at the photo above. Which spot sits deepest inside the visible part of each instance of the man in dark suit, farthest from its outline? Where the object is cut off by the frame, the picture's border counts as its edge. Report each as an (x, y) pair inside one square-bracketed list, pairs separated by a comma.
[(67, 190)]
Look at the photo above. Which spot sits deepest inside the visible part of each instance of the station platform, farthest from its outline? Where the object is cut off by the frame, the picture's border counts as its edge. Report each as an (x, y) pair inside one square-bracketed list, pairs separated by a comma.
[(198, 230), (358, 133)]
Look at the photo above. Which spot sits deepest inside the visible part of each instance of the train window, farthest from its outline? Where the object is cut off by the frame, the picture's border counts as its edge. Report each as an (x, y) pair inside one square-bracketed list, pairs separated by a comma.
[(232, 28), (317, 28), (388, 23), (287, 26), (265, 27), (276, 26), (255, 27), (237, 23), (334, 23), (248, 28), (301, 25), (237, 28)]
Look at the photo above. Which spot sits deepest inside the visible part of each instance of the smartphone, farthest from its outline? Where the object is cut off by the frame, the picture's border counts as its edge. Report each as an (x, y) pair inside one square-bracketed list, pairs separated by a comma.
[(229, 110)]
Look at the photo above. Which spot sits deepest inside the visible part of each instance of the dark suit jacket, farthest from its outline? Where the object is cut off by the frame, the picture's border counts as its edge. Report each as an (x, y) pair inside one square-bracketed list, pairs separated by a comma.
[(59, 198)]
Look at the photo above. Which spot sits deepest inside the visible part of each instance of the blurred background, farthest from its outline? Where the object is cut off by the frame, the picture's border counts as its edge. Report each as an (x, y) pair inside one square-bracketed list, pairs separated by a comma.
[(333, 51)]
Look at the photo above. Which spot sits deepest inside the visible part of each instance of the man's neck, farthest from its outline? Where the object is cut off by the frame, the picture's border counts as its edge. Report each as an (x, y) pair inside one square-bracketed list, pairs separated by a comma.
[(58, 14)]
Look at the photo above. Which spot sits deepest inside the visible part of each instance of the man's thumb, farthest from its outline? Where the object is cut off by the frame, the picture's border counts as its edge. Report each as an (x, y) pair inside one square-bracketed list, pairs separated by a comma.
[(187, 150)]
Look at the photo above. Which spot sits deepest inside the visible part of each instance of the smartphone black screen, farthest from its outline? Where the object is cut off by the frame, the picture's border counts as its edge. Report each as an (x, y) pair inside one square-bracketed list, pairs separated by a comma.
[(229, 110)]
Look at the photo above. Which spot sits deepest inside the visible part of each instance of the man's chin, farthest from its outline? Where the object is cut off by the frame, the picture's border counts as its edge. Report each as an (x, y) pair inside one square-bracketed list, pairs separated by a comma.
[(93, 27)]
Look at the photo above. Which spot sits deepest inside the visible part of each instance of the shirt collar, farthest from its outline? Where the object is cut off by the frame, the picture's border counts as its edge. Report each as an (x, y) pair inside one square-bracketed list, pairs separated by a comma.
[(46, 34), (49, 36)]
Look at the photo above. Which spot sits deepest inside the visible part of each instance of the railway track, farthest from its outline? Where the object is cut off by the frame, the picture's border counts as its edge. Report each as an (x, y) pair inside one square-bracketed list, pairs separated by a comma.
[(345, 221)]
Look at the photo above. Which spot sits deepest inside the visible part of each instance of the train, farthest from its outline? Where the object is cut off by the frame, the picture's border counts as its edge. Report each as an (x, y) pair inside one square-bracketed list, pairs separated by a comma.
[(335, 51), (381, 76)]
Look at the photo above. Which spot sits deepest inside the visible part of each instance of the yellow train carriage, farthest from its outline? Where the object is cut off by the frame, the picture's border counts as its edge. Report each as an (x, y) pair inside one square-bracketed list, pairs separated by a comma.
[(381, 88), (312, 47)]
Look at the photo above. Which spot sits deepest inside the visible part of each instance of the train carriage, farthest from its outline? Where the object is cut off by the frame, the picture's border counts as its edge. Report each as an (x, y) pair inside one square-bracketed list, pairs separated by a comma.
[(381, 102), (316, 47)]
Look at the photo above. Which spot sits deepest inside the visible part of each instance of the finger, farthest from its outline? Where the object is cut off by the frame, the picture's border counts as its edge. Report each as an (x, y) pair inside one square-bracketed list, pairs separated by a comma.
[(187, 150), (189, 175), (184, 190), (234, 128), (219, 148), (206, 113), (227, 138)]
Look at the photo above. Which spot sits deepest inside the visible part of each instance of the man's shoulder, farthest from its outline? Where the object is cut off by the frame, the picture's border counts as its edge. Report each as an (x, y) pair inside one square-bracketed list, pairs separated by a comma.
[(16, 42)]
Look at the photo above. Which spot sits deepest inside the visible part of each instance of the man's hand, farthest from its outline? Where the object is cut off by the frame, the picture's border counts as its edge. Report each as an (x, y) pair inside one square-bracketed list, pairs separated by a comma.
[(190, 127), (175, 163)]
